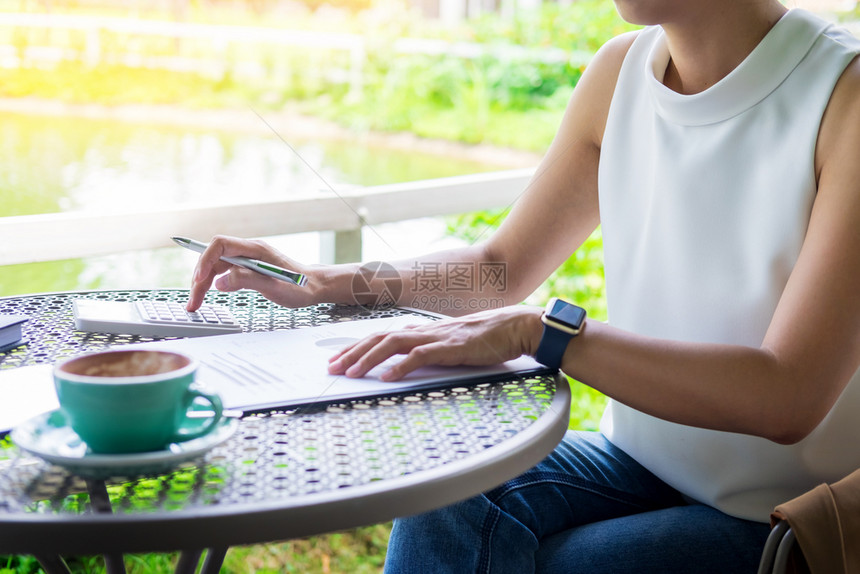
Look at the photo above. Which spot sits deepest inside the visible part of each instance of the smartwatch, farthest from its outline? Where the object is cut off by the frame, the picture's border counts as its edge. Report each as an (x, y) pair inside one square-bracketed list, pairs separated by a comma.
[(562, 321)]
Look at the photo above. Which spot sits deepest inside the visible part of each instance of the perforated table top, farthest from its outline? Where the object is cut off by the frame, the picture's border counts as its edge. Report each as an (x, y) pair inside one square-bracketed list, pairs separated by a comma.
[(284, 474)]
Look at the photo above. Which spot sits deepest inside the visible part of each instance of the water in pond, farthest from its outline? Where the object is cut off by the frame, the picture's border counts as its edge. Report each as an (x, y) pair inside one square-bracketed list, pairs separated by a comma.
[(55, 164)]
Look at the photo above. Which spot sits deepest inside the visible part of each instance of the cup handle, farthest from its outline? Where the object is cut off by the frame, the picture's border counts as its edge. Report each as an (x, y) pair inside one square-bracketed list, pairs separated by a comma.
[(184, 434)]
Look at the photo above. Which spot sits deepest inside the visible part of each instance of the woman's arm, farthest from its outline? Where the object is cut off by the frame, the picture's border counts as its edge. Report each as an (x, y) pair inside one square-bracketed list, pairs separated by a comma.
[(780, 391)]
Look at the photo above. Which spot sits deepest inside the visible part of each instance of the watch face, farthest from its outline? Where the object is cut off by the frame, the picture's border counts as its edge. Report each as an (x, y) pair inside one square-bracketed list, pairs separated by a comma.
[(565, 313)]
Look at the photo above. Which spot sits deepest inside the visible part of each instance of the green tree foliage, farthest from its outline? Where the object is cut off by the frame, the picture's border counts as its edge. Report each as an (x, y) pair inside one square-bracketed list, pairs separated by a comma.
[(506, 96)]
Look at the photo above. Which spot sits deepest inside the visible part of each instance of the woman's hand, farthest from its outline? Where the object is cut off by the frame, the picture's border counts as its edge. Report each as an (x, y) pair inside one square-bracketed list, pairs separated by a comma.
[(485, 338), (233, 278)]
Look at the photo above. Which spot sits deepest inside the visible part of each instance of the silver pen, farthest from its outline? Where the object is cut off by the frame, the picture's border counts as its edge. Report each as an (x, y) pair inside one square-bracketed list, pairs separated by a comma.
[(248, 263)]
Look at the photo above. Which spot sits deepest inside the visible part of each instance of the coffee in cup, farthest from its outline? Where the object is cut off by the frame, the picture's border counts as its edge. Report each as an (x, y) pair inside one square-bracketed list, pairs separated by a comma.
[(136, 400)]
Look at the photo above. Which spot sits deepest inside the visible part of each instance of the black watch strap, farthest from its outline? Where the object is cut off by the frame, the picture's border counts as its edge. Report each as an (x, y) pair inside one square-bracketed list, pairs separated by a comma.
[(553, 344), (562, 321)]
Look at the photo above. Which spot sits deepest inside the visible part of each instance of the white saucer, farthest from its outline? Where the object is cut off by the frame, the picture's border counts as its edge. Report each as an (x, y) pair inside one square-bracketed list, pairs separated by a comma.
[(48, 436)]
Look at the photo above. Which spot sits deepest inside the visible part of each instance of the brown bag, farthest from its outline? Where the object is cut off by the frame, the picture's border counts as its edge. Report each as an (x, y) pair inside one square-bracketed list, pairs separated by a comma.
[(826, 522)]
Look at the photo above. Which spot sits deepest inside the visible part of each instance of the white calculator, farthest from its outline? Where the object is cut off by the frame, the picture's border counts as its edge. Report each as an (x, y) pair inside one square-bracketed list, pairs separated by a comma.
[(153, 318)]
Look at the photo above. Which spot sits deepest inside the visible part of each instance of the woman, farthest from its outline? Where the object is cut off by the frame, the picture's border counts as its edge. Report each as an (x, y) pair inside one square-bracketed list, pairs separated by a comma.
[(718, 150)]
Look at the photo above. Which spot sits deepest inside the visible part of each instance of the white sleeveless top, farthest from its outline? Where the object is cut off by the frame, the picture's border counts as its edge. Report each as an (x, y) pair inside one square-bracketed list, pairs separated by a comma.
[(704, 204)]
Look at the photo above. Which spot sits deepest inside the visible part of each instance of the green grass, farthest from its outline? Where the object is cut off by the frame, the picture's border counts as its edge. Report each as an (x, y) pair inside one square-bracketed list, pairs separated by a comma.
[(358, 551)]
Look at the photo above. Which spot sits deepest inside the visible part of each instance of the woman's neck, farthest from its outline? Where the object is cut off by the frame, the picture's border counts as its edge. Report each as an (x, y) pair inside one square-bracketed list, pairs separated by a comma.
[(705, 47)]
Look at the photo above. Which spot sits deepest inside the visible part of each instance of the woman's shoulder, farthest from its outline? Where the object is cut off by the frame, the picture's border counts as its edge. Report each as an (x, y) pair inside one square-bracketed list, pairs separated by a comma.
[(840, 126), (848, 86), (611, 55), (602, 72), (596, 87)]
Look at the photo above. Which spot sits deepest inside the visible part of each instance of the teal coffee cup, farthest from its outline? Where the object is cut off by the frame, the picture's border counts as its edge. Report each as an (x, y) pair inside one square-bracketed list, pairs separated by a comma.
[(128, 401)]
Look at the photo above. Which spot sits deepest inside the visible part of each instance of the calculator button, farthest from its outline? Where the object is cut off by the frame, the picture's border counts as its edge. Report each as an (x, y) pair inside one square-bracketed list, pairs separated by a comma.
[(167, 313)]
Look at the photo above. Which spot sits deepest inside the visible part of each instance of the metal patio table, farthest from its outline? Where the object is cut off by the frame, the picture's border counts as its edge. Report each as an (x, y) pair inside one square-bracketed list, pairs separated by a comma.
[(284, 474)]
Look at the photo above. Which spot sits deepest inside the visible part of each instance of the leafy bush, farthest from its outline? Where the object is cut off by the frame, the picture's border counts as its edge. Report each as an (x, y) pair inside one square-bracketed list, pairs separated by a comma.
[(581, 26)]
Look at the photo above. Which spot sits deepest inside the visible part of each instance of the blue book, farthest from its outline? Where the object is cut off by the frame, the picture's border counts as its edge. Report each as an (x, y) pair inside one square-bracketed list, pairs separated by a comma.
[(11, 334)]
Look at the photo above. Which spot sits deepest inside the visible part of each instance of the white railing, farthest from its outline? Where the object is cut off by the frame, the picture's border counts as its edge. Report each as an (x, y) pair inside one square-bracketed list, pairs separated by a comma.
[(54, 236)]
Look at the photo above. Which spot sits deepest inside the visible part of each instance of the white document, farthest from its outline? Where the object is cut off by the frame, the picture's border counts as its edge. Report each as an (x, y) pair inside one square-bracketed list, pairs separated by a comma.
[(24, 393), (287, 368)]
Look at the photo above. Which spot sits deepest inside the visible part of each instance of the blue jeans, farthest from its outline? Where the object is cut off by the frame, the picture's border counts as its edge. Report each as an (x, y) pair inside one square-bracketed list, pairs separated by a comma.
[(588, 507)]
